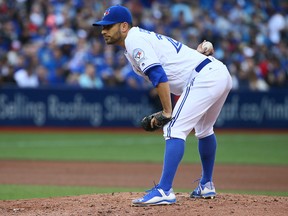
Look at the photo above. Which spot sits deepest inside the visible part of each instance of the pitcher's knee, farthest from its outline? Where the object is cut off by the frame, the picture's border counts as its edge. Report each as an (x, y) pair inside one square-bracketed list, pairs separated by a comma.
[(204, 133), (175, 134)]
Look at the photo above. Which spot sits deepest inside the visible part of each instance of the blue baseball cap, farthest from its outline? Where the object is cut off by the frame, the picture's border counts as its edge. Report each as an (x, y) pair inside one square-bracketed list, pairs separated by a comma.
[(115, 14)]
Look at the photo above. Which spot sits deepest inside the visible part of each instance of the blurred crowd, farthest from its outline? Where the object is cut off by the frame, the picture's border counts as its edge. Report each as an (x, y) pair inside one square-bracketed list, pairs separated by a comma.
[(52, 42)]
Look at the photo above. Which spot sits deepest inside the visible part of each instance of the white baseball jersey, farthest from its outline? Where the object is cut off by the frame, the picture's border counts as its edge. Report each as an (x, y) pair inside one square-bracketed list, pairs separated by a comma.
[(145, 49), (203, 93)]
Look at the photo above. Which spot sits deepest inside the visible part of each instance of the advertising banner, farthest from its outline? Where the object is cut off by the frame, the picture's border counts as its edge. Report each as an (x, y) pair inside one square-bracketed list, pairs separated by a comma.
[(69, 107)]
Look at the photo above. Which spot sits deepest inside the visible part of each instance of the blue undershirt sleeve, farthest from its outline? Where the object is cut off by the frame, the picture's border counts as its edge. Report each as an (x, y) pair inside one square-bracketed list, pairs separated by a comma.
[(156, 75)]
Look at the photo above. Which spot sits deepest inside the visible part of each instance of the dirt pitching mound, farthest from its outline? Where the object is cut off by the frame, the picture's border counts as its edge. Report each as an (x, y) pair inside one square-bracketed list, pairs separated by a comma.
[(120, 204)]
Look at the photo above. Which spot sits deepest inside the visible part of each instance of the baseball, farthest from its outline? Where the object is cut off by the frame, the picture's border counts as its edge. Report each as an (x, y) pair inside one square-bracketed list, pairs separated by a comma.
[(207, 47)]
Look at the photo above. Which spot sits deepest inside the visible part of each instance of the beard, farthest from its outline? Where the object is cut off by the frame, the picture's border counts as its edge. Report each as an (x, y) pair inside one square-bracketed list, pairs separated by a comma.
[(114, 39)]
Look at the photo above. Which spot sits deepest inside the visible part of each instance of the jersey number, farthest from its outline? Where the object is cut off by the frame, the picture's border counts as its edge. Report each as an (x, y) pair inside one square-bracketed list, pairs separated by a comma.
[(175, 43)]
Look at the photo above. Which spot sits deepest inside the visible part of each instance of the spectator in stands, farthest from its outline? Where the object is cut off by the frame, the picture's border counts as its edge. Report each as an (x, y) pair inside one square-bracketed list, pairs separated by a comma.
[(249, 72), (276, 76), (42, 75), (57, 66), (26, 76), (100, 59), (6, 72), (90, 79), (78, 55)]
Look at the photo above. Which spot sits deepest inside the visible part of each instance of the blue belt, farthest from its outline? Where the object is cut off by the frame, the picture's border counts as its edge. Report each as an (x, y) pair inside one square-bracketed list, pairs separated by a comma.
[(202, 64)]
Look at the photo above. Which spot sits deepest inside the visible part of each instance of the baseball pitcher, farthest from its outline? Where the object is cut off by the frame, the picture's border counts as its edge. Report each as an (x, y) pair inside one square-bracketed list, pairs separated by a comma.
[(201, 81)]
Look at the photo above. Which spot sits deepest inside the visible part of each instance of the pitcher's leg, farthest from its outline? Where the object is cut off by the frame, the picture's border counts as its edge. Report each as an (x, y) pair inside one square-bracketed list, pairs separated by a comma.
[(174, 152), (207, 150)]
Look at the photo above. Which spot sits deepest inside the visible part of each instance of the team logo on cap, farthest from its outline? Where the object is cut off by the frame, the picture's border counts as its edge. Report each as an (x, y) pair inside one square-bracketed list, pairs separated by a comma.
[(106, 12), (138, 54)]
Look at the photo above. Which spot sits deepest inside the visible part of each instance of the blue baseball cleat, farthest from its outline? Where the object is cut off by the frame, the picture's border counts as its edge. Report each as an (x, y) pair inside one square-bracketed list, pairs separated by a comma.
[(156, 196), (206, 191)]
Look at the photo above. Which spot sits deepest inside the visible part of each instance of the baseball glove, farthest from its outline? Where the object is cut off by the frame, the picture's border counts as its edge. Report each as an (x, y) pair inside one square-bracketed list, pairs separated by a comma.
[(161, 121)]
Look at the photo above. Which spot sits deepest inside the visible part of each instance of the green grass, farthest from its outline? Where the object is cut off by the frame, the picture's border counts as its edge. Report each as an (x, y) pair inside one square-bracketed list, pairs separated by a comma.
[(239, 148), (7, 192), (268, 149), (14, 192)]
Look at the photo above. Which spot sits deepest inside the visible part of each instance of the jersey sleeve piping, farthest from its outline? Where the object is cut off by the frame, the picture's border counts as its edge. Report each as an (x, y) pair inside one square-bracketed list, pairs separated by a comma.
[(152, 65)]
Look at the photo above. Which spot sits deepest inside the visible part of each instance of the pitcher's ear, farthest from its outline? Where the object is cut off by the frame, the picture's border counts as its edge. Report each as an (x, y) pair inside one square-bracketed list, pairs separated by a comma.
[(124, 27)]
